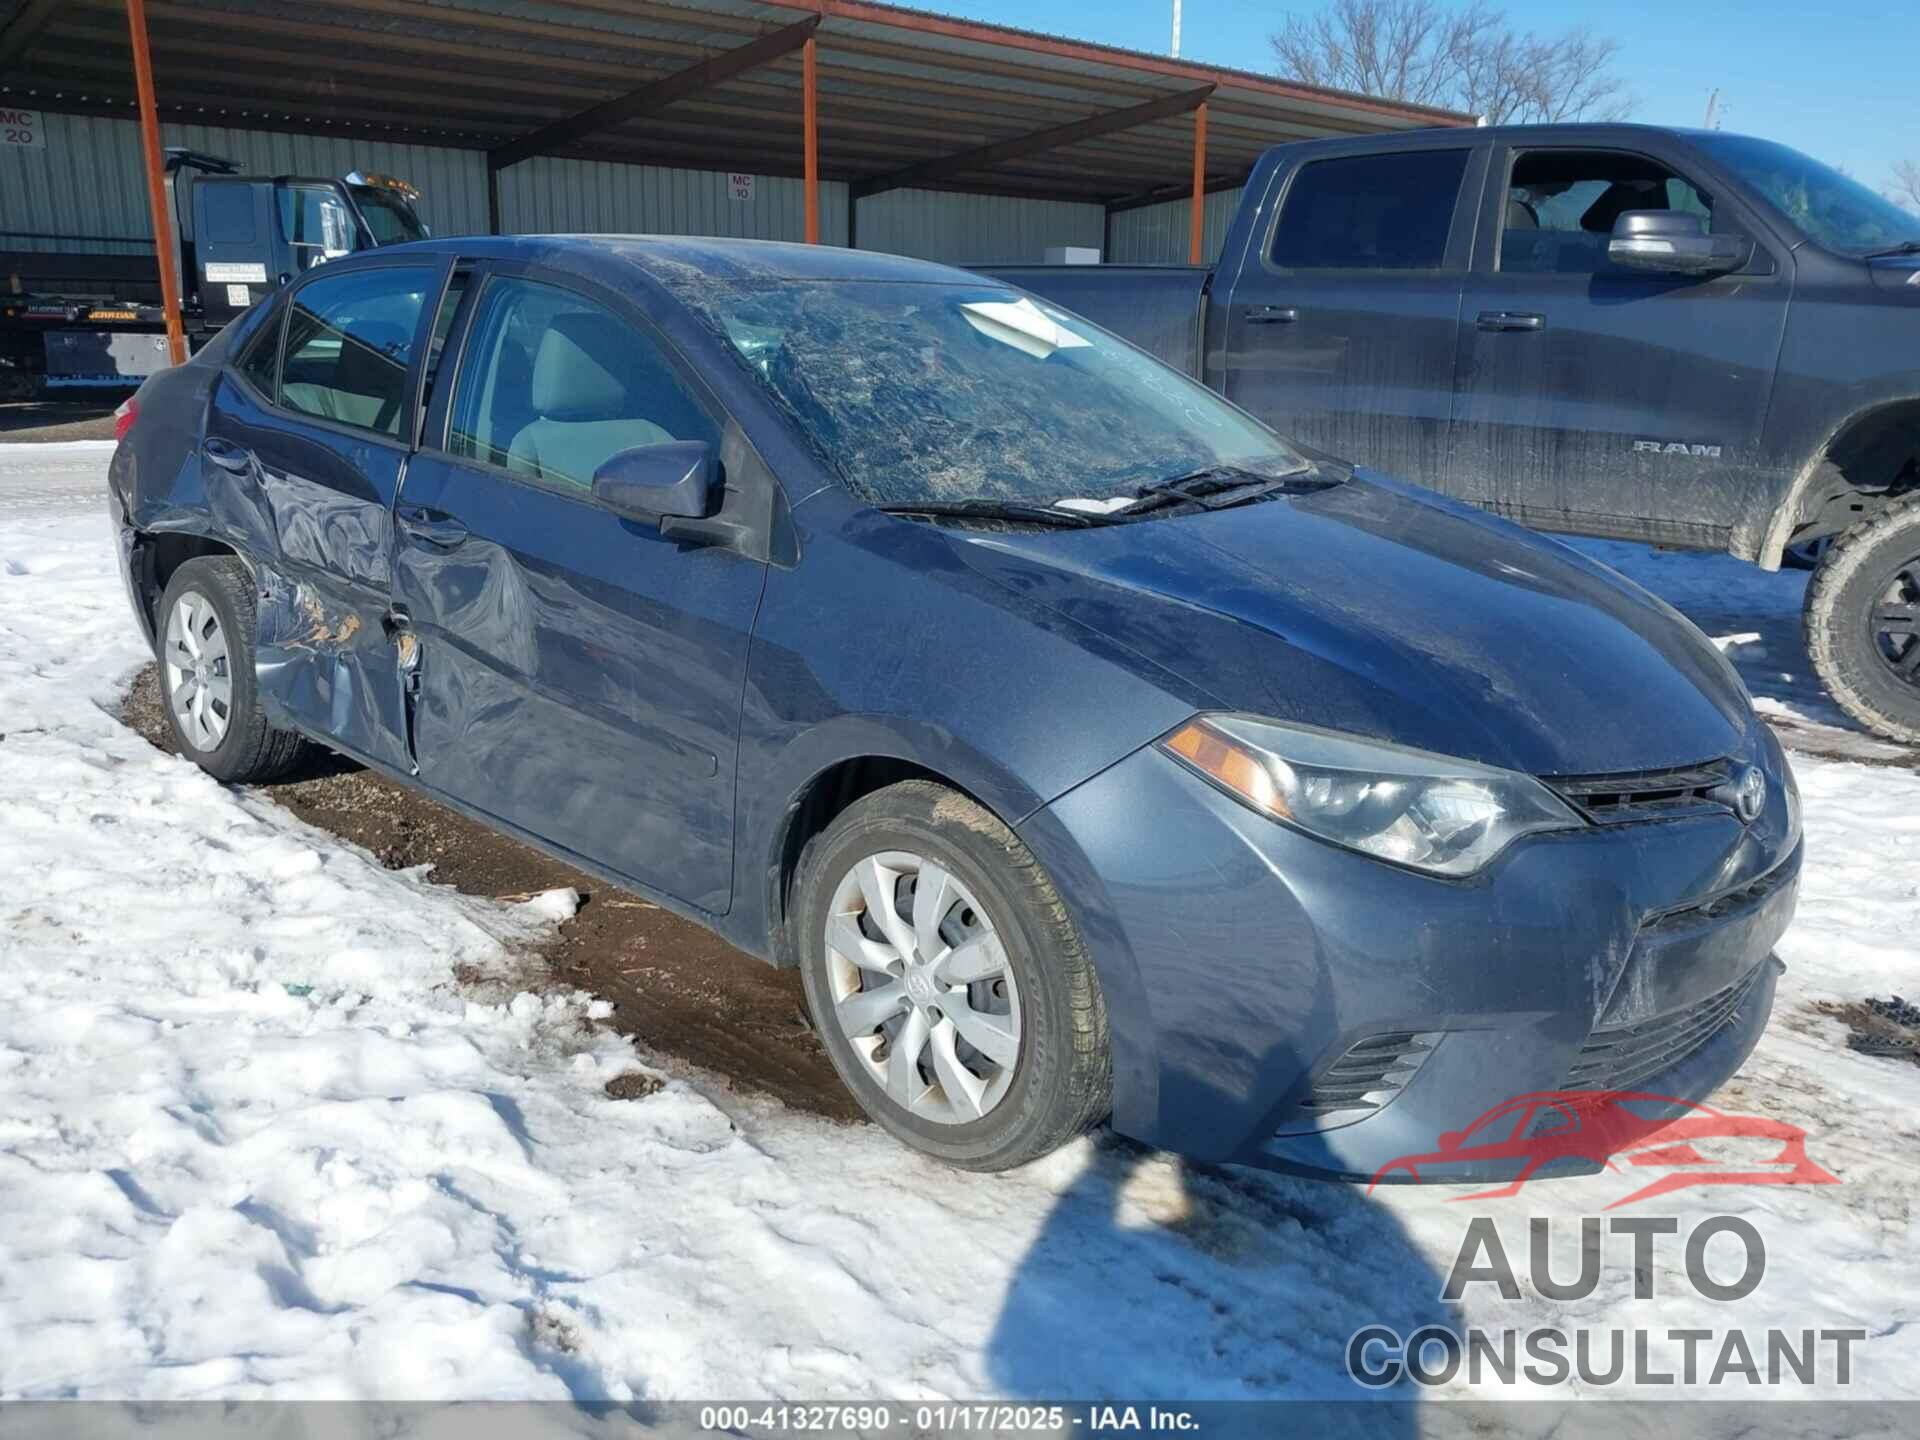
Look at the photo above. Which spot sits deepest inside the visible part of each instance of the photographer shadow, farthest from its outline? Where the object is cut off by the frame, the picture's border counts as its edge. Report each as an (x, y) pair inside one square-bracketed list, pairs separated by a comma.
[(1159, 1279)]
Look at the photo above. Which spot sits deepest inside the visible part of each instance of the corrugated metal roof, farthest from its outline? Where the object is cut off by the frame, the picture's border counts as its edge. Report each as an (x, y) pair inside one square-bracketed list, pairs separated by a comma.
[(898, 87)]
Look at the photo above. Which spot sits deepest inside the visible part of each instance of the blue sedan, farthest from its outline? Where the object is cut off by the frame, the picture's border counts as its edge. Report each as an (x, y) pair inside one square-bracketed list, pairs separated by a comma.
[(1091, 749)]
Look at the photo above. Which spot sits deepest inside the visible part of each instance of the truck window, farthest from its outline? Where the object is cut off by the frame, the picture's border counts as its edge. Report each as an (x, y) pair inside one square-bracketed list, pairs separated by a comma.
[(349, 343), (1370, 212), (226, 214), (316, 222), (1562, 204)]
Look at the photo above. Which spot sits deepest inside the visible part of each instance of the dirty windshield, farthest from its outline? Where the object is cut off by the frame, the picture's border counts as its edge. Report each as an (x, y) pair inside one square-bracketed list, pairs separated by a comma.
[(947, 393)]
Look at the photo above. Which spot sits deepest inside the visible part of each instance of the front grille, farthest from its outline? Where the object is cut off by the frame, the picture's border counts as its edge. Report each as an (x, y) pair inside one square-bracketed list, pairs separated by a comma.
[(1646, 794), (1619, 1059), (1371, 1072)]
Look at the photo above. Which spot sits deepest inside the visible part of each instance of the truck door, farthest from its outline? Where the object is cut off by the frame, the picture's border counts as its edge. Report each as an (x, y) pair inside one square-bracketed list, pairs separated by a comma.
[(232, 245), (1341, 324), (1599, 400)]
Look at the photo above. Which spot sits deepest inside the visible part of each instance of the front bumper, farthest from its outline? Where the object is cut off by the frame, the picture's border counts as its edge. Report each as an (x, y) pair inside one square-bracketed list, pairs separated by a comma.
[(1251, 970)]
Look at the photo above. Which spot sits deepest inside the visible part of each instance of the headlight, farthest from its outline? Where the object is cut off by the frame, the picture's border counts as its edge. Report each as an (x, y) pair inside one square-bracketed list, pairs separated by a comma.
[(1430, 812)]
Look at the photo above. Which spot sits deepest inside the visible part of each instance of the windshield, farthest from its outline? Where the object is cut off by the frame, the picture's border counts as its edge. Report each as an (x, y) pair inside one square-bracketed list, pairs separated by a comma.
[(388, 216), (1834, 209), (941, 392)]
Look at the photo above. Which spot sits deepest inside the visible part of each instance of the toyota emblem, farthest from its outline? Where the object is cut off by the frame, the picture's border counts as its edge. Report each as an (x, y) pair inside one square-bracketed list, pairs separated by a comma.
[(1749, 793)]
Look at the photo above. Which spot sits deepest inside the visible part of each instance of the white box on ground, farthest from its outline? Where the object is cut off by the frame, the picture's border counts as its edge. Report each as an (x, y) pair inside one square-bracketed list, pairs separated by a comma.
[(1071, 255)]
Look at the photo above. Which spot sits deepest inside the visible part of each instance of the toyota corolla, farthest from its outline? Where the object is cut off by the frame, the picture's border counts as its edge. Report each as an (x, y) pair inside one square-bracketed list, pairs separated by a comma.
[(1091, 749)]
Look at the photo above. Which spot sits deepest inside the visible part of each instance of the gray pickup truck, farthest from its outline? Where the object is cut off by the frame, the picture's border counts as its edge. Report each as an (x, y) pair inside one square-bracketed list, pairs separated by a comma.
[(1695, 339)]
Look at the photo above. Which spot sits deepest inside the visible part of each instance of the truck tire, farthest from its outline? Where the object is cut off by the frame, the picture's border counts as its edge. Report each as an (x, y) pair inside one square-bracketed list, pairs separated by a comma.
[(1863, 621), (993, 943), (204, 637)]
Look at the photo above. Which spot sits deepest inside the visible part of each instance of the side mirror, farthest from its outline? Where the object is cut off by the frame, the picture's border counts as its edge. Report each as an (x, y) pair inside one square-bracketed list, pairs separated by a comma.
[(1673, 242), (677, 479)]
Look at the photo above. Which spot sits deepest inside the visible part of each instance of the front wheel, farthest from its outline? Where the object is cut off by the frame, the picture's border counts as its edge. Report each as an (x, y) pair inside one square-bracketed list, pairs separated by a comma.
[(948, 982), (1863, 621), (206, 627)]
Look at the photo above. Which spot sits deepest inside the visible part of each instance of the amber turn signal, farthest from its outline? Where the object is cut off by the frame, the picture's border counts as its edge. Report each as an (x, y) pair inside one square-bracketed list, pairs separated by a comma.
[(1227, 763)]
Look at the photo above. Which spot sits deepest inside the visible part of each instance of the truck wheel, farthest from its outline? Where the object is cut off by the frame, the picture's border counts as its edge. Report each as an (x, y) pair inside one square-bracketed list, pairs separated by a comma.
[(206, 629), (1863, 621), (948, 982)]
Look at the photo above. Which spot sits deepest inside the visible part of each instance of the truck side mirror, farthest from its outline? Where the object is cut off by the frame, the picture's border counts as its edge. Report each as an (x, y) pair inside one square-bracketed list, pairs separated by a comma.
[(673, 480), (1673, 242)]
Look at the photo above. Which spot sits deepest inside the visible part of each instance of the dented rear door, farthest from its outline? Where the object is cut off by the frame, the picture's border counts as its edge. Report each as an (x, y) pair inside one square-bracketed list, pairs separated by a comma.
[(304, 448)]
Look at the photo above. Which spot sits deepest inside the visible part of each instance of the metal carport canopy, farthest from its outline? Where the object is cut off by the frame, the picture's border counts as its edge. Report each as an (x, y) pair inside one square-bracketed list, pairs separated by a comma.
[(904, 97)]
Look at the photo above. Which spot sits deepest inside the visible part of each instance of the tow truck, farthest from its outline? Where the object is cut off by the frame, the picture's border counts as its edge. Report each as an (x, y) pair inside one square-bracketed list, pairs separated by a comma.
[(71, 320)]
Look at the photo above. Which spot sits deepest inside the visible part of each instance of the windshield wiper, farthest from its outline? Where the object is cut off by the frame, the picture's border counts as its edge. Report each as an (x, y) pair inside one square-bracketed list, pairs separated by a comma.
[(995, 510), (1222, 486), (1905, 247)]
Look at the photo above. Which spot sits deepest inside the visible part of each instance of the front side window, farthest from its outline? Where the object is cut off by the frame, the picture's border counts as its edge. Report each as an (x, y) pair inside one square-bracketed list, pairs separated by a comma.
[(1370, 212), (349, 344), (553, 386), (948, 392), (1562, 206), (1836, 210)]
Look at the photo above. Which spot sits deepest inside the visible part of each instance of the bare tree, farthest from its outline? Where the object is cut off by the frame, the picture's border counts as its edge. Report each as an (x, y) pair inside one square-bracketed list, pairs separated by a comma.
[(1903, 187), (1466, 58)]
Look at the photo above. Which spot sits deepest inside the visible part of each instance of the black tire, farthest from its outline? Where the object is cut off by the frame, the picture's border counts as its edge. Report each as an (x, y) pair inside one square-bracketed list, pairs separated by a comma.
[(251, 750), (1061, 1083), (1850, 584)]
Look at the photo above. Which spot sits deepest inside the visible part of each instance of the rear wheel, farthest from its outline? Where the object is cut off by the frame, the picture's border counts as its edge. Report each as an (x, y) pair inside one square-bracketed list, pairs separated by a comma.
[(207, 623), (1863, 621), (949, 984)]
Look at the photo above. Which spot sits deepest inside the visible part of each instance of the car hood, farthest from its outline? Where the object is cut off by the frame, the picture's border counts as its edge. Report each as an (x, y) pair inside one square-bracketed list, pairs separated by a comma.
[(1379, 610)]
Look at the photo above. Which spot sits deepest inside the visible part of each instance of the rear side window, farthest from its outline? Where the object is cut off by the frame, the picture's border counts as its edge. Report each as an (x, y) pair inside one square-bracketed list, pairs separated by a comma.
[(553, 386), (1370, 212), (349, 343)]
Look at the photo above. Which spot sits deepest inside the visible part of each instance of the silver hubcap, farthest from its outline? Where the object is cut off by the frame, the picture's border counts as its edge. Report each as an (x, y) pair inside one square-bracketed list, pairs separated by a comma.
[(921, 987), (199, 674)]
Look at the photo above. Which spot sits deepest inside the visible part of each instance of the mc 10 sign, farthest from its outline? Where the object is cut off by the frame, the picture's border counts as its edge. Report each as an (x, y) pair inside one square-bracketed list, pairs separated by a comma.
[(22, 127)]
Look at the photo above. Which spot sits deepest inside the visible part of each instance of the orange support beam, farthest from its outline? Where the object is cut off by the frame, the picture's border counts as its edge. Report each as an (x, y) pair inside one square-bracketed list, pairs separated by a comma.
[(810, 104), (1197, 223), (156, 186)]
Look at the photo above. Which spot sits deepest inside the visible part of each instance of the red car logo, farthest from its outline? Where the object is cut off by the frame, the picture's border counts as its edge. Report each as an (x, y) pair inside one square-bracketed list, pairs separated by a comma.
[(1602, 1127)]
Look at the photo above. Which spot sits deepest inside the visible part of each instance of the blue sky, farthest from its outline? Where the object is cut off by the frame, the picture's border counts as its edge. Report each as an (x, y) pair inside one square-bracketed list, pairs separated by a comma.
[(1840, 85)]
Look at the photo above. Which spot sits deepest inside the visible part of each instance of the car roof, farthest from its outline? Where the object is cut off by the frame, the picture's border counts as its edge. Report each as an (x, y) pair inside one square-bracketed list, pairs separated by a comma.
[(675, 259)]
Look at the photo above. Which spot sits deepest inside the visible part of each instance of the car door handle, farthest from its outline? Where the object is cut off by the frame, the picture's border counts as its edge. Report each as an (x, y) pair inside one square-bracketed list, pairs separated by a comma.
[(441, 530), (227, 455), (1510, 320), (1271, 314)]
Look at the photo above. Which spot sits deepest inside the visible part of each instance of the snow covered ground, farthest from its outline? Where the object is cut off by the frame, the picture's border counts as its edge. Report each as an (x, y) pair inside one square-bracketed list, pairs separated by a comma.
[(255, 1141)]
